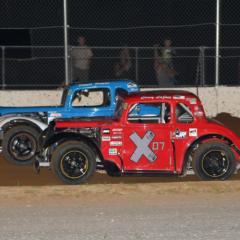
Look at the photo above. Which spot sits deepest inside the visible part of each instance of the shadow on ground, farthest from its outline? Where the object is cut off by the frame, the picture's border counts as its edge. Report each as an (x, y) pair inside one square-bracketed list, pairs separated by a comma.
[(11, 175)]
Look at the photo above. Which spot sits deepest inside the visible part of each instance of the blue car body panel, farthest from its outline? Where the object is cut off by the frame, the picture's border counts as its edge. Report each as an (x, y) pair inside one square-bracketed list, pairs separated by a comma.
[(66, 110)]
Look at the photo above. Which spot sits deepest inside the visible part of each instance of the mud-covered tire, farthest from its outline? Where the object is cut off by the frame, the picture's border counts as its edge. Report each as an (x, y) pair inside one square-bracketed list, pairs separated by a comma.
[(20, 144), (73, 162), (214, 161)]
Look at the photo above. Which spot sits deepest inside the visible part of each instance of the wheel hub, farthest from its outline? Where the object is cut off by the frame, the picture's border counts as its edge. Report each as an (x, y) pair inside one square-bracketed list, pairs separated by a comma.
[(215, 163), (22, 146), (74, 164)]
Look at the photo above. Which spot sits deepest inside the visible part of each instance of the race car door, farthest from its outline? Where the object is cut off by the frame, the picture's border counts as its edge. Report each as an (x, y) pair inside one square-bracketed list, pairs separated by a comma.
[(147, 141)]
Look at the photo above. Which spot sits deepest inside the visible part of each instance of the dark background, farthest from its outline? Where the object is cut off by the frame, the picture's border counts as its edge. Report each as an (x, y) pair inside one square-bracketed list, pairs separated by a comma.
[(125, 13), (189, 23)]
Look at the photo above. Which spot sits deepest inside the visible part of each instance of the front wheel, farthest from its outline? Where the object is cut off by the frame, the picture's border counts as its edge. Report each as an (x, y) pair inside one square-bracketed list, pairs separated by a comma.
[(73, 162), (214, 161), (20, 144)]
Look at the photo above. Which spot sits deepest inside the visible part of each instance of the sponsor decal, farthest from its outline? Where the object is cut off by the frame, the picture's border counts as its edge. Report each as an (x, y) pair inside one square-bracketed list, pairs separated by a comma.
[(104, 83), (198, 111), (117, 129), (193, 132), (116, 133), (84, 84), (181, 135), (105, 131), (116, 137), (142, 147), (116, 143), (55, 114), (178, 97), (112, 151), (192, 100), (132, 85), (106, 138), (146, 97), (163, 97), (157, 97)]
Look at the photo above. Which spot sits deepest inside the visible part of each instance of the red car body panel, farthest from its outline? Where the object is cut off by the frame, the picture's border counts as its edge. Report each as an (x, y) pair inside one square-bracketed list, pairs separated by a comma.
[(153, 146)]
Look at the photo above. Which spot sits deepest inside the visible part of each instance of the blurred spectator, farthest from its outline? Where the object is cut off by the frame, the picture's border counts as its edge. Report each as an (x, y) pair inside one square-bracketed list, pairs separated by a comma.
[(123, 67), (168, 54), (161, 69), (81, 61), (163, 64)]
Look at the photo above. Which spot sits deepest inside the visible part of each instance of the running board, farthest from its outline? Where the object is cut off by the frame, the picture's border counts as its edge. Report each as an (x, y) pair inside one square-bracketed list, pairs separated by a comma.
[(47, 164), (147, 173)]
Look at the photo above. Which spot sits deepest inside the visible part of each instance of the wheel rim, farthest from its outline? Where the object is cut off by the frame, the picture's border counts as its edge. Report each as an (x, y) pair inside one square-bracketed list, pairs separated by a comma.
[(215, 163), (22, 146), (74, 164)]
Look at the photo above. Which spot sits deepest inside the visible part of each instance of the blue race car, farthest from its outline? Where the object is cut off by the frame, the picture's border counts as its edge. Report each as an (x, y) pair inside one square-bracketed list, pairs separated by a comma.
[(20, 127)]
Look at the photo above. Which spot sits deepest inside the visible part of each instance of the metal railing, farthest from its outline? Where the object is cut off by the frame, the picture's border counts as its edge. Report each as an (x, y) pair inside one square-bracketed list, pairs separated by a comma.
[(25, 67)]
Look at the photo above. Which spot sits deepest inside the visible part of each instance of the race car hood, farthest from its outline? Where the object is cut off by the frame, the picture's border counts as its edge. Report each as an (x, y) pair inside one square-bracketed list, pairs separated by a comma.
[(85, 122), (211, 120), (15, 110)]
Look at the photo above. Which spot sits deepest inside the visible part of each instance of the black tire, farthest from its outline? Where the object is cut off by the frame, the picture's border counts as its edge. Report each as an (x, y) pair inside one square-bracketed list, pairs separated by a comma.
[(73, 162), (214, 161), (20, 144)]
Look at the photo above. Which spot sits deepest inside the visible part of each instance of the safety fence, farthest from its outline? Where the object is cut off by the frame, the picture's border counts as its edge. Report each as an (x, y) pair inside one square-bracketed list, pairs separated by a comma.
[(48, 34), (43, 67)]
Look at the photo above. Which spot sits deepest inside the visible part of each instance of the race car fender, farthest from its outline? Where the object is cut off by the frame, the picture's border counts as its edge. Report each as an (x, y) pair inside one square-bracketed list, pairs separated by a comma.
[(8, 121)]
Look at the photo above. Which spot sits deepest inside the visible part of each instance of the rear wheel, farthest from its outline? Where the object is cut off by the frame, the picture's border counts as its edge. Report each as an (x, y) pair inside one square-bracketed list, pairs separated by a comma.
[(73, 162), (20, 144), (214, 161)]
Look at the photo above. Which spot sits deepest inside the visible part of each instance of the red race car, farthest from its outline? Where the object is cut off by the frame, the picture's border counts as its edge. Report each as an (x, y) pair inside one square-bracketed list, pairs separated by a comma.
[(152, 133)]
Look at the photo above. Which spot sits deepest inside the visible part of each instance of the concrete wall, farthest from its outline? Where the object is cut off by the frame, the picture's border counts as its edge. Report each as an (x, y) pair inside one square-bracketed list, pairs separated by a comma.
[(215, 100)]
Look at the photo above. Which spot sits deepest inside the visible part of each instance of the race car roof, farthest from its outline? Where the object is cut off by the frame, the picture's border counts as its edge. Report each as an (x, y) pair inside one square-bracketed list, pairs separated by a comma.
[(110, 82), (161, 94)]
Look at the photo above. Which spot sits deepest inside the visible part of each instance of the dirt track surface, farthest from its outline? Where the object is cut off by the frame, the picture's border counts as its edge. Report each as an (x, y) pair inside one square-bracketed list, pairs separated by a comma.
[(175, 210), (39, 207)]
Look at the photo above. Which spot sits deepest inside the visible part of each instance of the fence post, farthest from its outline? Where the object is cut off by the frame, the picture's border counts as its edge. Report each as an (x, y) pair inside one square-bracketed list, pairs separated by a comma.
[(202, 52), (70, 64), (3, 68), (136, 64), (66, 42), (217, 42)]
